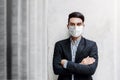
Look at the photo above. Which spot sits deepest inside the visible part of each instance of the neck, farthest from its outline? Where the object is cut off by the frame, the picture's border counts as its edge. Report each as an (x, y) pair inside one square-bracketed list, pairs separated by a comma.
[(75, 38)]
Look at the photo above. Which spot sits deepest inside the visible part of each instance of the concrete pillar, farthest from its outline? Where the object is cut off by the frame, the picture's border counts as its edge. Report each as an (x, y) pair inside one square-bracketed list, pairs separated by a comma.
[(3, 40), (29, 39)]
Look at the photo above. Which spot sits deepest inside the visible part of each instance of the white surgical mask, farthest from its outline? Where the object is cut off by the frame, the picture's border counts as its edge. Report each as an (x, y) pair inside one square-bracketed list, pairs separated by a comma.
[(76, 31)]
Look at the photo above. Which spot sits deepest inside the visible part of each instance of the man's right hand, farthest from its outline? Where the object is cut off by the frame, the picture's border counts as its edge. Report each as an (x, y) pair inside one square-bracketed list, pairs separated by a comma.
[(87, 61)]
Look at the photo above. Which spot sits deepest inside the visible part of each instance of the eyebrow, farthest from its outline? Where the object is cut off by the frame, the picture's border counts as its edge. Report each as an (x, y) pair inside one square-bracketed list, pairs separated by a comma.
[(76, 23)]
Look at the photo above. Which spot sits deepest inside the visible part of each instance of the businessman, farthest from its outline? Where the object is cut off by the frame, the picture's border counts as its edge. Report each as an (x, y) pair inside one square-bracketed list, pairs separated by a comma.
[(75, 58)]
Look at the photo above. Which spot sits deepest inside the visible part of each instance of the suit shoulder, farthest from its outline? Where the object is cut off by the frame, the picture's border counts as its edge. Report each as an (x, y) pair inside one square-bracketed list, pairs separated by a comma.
[(90, 42), (62, 41)]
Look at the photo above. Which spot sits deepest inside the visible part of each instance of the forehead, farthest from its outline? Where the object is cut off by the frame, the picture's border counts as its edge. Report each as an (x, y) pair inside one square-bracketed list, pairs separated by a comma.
[(75, 20)]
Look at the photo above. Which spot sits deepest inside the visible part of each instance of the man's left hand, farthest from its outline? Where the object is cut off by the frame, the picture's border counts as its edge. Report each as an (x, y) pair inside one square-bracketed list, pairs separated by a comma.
[(63, 61)]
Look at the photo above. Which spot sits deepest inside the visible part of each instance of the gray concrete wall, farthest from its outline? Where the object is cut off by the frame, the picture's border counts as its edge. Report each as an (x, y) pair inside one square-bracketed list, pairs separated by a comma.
[(19, 39), (3, 39), (101, 25)]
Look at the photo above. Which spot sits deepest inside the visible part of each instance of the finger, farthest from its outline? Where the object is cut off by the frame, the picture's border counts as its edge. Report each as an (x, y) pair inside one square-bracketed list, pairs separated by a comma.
[(93, 59), (88, 57)]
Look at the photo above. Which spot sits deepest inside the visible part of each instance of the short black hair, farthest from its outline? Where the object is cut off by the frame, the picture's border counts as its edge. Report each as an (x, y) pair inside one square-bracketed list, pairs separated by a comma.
[(76, 15)]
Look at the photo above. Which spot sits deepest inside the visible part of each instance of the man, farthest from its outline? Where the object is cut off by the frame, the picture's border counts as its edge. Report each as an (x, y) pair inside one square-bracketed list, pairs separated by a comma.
[(75, 58)]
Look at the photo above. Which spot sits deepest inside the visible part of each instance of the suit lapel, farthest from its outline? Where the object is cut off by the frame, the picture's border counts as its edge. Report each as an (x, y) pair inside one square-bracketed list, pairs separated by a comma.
[(79, 49), (68, 48)]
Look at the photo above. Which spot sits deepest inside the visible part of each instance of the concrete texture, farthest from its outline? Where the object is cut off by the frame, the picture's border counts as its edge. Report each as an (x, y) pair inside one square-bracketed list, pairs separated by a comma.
[(2, 40), (100, 26)]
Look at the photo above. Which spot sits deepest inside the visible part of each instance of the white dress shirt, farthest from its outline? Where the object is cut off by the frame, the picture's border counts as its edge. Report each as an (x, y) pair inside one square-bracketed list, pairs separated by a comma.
[(74, 46)]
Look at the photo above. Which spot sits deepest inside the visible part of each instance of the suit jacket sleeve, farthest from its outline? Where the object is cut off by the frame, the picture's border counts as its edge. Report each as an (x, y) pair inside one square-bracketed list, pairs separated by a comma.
[(57, 67), (85, 69)]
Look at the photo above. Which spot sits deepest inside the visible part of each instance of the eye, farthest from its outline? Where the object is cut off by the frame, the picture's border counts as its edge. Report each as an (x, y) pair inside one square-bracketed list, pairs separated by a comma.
[(79, 24), (72, 24)]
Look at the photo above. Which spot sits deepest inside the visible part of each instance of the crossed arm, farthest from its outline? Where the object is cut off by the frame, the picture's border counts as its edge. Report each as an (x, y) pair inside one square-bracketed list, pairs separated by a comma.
[(86, 61), (87, 66)]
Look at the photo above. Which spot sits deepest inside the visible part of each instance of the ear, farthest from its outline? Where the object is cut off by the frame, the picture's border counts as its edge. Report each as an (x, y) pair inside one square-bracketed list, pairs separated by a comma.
[(83, 25), (67, 26)]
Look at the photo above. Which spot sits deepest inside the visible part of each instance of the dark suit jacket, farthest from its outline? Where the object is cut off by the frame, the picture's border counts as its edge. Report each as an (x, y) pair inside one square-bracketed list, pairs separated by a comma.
[(85, 48)]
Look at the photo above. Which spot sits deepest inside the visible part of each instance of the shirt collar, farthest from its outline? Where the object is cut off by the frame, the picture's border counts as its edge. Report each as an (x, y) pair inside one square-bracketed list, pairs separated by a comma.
[(76, 42)]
